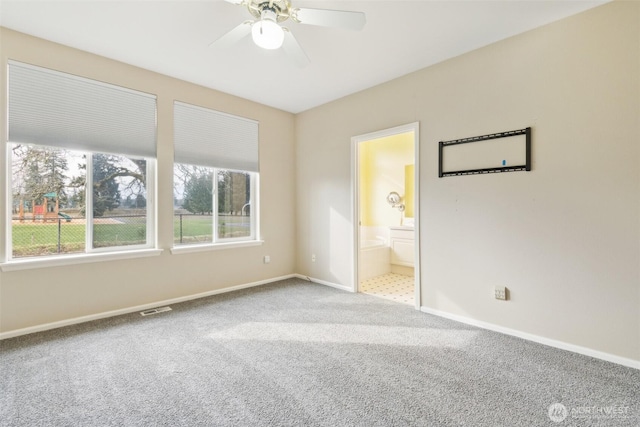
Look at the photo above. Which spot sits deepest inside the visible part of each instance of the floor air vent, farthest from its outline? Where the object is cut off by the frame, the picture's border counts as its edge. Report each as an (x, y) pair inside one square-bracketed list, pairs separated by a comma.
[(155, 310)]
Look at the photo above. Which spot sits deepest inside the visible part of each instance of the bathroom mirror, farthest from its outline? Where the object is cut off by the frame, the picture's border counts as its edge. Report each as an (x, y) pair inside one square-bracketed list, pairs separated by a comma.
[(393, 198)]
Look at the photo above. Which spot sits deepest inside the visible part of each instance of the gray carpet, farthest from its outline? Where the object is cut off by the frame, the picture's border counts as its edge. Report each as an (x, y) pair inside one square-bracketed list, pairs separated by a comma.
[(295, 353)]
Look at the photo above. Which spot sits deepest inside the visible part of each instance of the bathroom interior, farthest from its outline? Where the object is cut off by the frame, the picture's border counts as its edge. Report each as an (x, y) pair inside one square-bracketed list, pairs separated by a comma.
[(386, 208)]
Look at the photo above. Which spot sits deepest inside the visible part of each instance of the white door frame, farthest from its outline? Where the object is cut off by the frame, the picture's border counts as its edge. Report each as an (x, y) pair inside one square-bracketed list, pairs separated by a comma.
[(355, 198)]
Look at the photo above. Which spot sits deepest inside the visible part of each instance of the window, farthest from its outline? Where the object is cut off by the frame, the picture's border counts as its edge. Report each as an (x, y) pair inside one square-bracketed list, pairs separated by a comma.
[(119, 201), (212, 205), (52, 212), (215, 176), (82, 162)]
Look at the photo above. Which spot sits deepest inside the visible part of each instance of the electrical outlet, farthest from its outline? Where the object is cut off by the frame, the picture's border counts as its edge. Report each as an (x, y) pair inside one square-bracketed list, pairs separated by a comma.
[(500, 293), (267, 259), (313, 257)]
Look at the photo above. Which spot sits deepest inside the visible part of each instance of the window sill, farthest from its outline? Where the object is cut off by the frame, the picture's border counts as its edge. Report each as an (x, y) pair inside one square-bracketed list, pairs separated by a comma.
[(214, 246), (42, 262)]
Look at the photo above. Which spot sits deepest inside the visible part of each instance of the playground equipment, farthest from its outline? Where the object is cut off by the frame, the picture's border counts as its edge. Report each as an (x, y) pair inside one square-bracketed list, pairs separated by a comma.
[(66, 217), (47, 211)]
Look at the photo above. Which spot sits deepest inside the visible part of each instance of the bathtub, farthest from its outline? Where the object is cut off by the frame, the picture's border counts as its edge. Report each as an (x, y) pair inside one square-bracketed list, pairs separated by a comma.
[(374, 259), (371, 243)]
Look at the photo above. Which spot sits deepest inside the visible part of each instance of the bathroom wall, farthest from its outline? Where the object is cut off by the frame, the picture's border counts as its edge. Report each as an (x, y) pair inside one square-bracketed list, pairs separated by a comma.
[(382, 170), (409, 189)]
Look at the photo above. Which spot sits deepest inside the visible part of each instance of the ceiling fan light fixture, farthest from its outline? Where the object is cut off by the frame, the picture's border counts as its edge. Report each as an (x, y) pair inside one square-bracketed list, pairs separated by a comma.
[(266, 32)]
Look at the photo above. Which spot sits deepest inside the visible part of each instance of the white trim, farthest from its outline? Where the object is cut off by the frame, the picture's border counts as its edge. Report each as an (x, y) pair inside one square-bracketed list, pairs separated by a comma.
[(631, 363), (254, 207), (61, 260), (88, 203), (325, 283), (214, 205), (112, 313), (151, 186), (355, 198), (355, 211), (417, 277), (205, 247), (8, 213)]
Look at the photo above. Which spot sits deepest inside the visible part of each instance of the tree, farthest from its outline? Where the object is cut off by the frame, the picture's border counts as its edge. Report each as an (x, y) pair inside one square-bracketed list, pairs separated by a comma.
[(112, 175), (78, 184), (40, 170), (240, 185), (198, 193), (140, 202), (128, 202), (224, 185), (233, 191), (106, 190)]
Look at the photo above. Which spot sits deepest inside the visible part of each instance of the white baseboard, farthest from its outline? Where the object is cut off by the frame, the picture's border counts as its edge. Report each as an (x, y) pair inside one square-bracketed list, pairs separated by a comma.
[(323, 282), (536, 338), (105, 314)]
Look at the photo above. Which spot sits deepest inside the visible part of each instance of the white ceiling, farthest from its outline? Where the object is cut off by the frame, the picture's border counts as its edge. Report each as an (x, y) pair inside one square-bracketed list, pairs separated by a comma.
[(173, 37)]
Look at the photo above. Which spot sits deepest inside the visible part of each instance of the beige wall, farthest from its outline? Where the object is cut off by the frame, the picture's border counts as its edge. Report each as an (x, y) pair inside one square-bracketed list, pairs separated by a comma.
[(564, 238), (39, 296)]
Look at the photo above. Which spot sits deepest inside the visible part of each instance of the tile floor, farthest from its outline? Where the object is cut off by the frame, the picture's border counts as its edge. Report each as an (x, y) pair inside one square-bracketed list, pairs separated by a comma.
[(390, 286)]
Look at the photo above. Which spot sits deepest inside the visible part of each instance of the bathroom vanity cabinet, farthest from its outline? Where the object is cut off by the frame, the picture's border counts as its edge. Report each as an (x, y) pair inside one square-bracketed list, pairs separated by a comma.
[(402, 245)]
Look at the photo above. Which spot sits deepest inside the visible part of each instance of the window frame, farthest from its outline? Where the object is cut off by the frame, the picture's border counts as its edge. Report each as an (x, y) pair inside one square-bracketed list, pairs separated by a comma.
[(90, 253), (216, 242), (151, 240)]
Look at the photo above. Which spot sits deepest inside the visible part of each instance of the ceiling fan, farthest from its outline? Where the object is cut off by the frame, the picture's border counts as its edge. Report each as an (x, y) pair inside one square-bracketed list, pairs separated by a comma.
[(267, 32)]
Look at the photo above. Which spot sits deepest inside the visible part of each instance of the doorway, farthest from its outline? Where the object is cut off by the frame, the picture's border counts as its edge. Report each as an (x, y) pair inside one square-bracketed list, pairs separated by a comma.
[(385, 188)]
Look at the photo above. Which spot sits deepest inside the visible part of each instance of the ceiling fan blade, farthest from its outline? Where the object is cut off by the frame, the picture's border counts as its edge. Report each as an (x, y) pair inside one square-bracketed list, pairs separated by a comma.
[(293, 49), (234, 1), (233, 36), (330, 18)]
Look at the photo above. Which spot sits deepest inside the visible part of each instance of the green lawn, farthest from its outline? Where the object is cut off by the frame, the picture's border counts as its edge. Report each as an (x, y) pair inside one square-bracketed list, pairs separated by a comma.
[(105, 235), (42, 239), (31, 239), (199, 228), (195, 229)]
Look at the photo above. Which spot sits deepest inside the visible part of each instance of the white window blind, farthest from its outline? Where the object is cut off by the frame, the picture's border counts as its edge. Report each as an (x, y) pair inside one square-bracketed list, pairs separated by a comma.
[(57, 109), (206, 137)]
